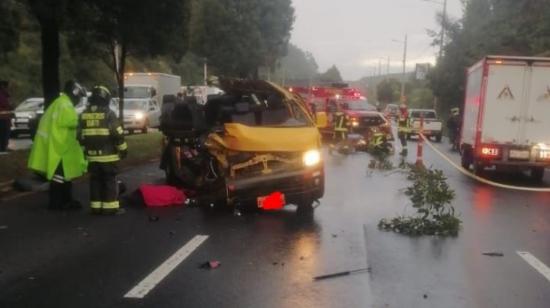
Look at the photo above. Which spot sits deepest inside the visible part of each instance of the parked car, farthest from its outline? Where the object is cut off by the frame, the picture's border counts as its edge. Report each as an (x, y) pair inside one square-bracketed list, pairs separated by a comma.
[(141, 114), (24, 113), (433, 126)]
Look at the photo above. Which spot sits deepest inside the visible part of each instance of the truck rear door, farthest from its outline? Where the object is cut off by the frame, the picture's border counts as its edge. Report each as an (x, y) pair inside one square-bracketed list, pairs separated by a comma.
[(504, 103), (537, 118)]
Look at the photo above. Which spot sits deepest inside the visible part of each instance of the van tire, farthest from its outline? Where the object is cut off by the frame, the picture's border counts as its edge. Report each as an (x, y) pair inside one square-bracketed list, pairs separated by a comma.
[(438, 138), (537, 173)]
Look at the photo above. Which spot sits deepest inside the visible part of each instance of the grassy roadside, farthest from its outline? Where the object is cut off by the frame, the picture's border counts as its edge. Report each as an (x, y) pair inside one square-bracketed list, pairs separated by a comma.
[(141, 148)]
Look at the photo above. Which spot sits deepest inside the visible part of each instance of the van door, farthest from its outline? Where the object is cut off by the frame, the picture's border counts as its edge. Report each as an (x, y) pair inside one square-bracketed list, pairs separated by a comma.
[(504, 104), (537, 118)]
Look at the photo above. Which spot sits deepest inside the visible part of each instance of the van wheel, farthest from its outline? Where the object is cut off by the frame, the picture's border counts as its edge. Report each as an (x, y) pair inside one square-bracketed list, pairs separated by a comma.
[(537, 173), (305, 207), (438, 138)]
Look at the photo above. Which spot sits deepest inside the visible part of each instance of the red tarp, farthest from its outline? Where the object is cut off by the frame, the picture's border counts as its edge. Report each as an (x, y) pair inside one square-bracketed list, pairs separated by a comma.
[(161, 195)]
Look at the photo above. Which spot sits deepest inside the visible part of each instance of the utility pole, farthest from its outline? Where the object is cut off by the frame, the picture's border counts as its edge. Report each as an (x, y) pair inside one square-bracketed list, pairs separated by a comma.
[(205, 72), (379, 67), (388, 68), (404, 69)]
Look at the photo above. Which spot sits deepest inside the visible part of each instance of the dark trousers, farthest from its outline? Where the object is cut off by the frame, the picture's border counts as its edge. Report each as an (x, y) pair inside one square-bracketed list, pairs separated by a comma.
[(103, 186), (403, 138), (5, 128), (61, 191)]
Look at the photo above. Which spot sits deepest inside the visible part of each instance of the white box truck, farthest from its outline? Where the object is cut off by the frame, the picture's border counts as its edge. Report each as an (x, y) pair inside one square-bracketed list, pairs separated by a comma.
[(506, 115), (150, 85)]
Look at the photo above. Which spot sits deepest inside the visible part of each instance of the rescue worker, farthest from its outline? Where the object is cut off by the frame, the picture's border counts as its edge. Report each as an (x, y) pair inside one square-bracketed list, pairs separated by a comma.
[(340, 125), (55, 152), (101, 136), (403, 127), (453, 124)]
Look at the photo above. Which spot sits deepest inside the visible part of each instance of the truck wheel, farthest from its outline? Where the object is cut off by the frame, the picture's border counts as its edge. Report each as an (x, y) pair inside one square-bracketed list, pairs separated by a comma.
[(466, 159), (145, 127), (438, 138), (409, 136), (537, 173)]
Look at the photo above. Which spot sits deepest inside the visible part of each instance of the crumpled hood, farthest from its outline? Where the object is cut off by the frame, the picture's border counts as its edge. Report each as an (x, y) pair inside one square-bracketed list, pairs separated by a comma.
[(244, 138)]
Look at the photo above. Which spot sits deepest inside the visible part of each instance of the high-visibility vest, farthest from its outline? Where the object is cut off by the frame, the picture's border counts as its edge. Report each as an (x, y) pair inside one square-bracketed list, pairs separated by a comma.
[(56, 142), (403, 125), (101, 134), (340, 124)]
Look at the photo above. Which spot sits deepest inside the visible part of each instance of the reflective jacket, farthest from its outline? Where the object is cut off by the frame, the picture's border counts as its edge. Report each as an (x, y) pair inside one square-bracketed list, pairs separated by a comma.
[(403, 125), (56, 142), (340, 122), (101, 135)]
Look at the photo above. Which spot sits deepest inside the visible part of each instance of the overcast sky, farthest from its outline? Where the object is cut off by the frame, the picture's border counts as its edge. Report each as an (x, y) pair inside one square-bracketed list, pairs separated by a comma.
[(355, 34)]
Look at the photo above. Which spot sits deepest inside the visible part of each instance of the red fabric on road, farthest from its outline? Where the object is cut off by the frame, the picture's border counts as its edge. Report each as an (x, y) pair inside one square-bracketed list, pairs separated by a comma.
[(161, 195)]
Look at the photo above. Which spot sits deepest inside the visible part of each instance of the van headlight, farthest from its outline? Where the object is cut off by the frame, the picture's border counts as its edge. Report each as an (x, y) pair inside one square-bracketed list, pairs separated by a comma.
[(312, 158), (139, 115)]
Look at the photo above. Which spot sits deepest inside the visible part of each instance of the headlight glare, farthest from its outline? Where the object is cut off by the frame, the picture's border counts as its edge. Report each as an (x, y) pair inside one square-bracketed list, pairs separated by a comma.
[(312, 158)]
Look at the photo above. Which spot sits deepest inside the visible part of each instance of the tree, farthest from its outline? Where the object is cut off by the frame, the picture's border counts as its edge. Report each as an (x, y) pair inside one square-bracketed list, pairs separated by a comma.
[(117, 29), (239, 36), (388, 91), (331, 75), (505, 27), (296, 65), (49, 14), (10, 25)]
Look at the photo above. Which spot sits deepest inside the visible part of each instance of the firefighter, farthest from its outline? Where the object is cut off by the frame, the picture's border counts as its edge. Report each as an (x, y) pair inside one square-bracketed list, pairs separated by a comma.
[(55, 152), (340, 125), (403, 128), (102, 138)]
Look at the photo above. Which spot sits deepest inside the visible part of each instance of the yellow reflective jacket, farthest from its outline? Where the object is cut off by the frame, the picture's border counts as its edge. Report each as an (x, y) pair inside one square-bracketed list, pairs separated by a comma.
[(56, 142)]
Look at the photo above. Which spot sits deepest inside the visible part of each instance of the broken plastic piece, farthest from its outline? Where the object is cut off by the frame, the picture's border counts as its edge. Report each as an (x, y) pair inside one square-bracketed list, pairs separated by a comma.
[(211, 265)]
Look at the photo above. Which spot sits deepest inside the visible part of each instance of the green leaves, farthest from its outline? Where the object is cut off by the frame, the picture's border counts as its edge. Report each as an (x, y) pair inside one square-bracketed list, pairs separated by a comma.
[(431, 196)]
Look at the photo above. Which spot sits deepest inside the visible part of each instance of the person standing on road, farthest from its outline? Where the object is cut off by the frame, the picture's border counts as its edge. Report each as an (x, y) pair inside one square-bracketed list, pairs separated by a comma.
[(5, 117), (102, 138), (453, 124), (55, 152), (403, 128)]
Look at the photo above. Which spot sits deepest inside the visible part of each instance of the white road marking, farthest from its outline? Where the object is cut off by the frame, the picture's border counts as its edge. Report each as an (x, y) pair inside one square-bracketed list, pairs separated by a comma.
[(147, 284), (535, 263)]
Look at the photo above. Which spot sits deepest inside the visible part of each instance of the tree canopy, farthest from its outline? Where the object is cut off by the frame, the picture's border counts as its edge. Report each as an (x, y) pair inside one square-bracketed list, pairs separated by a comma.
[(488, 27)]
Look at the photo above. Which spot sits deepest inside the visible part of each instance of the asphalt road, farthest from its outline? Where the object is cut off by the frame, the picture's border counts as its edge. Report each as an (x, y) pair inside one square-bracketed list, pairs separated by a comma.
[(72, 259)]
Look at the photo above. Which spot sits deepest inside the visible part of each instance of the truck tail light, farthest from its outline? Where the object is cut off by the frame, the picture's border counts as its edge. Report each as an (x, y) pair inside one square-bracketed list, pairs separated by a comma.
[(490, 151)]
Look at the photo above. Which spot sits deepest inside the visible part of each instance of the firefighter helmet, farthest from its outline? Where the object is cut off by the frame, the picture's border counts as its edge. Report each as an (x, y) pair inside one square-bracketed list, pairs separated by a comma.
[(101, 96)]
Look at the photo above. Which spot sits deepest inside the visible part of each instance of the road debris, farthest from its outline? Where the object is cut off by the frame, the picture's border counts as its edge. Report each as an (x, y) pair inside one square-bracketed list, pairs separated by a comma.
[(493, 254), (172, 233), (153, 218), (334, 235), (341, 274), (3, 227), (210, 264), (425, 296)]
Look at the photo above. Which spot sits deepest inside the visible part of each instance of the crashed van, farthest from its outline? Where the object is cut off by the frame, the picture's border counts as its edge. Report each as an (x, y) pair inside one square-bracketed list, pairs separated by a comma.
[(255, 145)]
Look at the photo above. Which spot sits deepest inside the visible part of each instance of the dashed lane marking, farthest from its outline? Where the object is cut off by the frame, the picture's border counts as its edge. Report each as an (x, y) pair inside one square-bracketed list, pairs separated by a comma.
[(535, 263), (147, 284)]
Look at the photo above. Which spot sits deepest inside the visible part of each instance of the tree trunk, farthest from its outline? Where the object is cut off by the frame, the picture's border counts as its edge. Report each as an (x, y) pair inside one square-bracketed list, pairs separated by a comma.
[(120, 81), (49, 31)]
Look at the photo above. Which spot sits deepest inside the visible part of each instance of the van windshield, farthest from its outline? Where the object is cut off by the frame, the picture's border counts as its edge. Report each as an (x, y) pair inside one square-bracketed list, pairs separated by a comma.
[(137, 92)]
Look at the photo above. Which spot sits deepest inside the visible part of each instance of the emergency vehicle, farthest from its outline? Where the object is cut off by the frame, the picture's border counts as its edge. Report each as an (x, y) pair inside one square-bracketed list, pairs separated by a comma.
[(506, 118), (362, 118)]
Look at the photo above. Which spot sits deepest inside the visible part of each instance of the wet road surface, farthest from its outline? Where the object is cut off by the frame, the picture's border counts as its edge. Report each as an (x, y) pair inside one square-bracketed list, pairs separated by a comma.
[(72, 259)]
